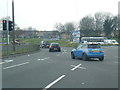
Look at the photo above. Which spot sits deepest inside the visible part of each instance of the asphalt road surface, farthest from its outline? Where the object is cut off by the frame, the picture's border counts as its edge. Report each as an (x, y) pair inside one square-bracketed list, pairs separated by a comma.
[(57, 70)]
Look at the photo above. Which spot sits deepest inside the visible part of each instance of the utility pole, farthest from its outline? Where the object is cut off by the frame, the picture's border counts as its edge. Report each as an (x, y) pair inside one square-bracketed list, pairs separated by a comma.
[(13, 25)]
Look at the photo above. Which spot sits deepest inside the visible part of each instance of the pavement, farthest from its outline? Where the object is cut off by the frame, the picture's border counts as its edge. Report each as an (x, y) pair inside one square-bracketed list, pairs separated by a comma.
[(46, 70)]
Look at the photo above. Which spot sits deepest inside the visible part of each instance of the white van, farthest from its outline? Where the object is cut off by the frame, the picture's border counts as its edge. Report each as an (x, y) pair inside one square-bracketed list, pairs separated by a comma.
[(114, 42), (109, 41)]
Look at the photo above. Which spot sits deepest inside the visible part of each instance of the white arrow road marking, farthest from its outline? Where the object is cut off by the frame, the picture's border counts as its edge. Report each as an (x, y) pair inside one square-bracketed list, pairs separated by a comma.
[(16, 65), (78, 66), (55, 81), (6, 61)]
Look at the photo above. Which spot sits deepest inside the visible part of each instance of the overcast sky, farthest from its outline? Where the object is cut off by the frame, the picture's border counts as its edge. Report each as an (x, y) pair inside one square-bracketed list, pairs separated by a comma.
[(43, 14)]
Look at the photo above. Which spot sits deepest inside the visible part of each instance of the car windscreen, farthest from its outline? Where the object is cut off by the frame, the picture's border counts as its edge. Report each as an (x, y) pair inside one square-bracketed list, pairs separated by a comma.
[(93, 46)]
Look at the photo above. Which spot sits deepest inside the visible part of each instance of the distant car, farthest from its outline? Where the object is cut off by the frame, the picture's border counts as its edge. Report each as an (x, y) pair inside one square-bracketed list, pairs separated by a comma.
[(112, 42), (88, 50), (17, 42), (54, 47), (45, 44)]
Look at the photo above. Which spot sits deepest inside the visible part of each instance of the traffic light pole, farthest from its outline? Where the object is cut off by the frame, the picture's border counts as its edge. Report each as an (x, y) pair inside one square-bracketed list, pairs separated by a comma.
[(13, 25), (7, 31)]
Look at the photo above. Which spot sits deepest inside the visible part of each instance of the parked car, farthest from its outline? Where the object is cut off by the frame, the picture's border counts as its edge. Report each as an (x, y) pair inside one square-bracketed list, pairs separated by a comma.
[(88, 50), (54, 47), (114, 42), (17, 42), (45, 44), (110, 41)]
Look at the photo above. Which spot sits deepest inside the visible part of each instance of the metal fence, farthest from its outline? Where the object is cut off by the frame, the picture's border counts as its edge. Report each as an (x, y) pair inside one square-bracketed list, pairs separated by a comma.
[(19, 49)]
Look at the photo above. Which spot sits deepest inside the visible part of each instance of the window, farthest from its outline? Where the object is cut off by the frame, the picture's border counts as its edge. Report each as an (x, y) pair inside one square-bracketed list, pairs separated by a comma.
[(93, 46)]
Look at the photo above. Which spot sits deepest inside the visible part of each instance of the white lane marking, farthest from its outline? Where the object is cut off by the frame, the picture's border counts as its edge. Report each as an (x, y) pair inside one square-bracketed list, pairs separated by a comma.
[(43, 59), (6, 61), (47, 58), (58, 55), (28, 55), (16, 65), (54, 82), (39, 59), (78, 66), (83, 83)]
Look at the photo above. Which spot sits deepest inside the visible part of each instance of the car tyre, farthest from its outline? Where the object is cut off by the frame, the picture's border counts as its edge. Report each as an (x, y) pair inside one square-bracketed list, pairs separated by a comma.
[(101, 58), (59, 50), (49, 50), (84, 57), (72, 56)]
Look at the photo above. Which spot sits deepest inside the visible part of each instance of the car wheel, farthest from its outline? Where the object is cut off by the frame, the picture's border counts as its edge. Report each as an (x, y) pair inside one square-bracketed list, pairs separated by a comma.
[(49, 50), (101, 58), (84, 57), (72, 56), (59, 50)]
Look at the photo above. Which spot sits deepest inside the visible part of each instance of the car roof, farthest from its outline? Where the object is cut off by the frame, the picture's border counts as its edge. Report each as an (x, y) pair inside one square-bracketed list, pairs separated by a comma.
[(90, 43), (54, 43)]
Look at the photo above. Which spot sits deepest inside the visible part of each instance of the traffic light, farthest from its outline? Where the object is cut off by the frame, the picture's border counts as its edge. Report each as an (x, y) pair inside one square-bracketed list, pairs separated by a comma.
[(4, 24), (10, 25)]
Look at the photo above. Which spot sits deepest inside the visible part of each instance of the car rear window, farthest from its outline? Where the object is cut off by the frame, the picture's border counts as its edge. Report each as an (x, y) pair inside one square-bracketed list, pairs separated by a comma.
[(55, 45), (93, 46)]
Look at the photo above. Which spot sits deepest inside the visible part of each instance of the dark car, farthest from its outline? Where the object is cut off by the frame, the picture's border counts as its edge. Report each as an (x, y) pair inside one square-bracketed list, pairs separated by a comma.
[(88, 50), (45, 44), (54, 47)]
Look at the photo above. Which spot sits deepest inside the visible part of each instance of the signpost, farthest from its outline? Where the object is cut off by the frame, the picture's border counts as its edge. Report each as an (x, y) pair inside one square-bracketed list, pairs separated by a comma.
[(76, 36)]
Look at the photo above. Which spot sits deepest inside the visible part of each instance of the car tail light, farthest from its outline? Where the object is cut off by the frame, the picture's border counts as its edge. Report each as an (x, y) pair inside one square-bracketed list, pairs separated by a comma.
[(51, 46), (101, 51)]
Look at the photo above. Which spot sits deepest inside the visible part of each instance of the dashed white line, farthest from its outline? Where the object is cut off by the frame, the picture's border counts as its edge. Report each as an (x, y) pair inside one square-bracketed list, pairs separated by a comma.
[(58, 55), (6, 61), (16, 65), (43, 59), (54, 82)]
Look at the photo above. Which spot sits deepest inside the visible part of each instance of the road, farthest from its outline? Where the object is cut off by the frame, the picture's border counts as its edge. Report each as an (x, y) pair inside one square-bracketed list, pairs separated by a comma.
[(45, 69)]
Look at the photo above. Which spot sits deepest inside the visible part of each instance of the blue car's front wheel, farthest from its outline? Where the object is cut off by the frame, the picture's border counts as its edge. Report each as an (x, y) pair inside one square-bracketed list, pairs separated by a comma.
[(84, 57), (72, 55), (101, 58)]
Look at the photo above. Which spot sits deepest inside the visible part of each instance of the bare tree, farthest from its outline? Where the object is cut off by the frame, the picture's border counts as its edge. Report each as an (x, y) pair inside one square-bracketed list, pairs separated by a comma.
[(69, 27), (59, 27)]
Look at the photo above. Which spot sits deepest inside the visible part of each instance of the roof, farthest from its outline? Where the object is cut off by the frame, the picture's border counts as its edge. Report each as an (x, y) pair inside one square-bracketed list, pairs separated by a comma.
[(91, 43)]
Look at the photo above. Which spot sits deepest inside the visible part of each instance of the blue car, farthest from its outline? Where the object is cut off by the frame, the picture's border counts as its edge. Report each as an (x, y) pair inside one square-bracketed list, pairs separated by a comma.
[(88, 50)]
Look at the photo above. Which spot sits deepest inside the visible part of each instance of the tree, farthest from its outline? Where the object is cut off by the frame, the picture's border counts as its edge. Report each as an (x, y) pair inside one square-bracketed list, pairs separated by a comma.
[(115, 26), (59, 27), (100, 18), (69, 27), (108, 26), (87, 25)]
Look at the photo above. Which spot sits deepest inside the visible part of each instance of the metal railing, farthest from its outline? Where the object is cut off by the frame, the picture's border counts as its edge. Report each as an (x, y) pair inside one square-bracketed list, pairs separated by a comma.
[(7, 50)]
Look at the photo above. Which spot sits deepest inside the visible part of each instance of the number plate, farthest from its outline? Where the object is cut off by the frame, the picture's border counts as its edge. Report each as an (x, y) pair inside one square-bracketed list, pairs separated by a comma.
[(95, 50), (55, 48)]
